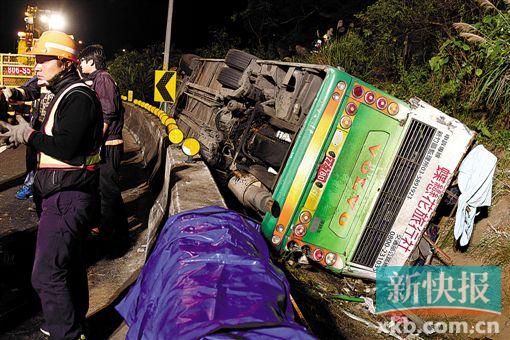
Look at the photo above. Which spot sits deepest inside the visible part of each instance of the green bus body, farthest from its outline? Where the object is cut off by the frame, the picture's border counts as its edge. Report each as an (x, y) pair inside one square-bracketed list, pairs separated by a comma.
[(340, 162)]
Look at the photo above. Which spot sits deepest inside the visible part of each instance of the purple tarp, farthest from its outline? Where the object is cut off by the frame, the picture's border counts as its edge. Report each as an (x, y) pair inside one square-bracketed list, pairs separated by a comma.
[(210, 276)]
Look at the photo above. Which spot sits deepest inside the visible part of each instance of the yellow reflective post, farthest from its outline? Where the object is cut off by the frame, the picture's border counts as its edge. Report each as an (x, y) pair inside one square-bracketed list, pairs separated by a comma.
[(190, 147), (175, 136), (130, 96), (170, 127)]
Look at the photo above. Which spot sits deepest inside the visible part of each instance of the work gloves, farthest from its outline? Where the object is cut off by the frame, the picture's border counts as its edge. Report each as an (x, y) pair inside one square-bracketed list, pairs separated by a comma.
[(7, 92), (17, 134)]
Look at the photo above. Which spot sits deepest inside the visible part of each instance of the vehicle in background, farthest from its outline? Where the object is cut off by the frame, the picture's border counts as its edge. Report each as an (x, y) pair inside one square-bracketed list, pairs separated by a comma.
[(337, 169), (16, 69)]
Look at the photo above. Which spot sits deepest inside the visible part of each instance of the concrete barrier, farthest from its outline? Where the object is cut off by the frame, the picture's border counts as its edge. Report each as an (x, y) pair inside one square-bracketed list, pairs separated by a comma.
[(148, 132), (186, 184)]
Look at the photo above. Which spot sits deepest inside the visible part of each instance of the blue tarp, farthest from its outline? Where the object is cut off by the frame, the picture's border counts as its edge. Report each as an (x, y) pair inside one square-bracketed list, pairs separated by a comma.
[(210, 276)]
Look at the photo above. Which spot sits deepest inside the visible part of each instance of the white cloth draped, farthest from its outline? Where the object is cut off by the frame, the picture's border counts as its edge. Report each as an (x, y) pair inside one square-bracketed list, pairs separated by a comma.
[(475, 184)]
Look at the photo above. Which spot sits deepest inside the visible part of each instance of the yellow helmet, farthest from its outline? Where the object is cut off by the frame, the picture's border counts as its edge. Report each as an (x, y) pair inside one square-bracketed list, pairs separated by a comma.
[(57, 44)]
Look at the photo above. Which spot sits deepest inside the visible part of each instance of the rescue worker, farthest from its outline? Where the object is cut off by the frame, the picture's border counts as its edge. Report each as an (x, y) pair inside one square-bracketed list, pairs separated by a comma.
[(67, 180), (113, 225)]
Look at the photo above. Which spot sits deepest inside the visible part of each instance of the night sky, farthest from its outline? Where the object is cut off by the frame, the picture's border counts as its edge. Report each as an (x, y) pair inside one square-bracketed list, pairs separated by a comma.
[(118, 24)]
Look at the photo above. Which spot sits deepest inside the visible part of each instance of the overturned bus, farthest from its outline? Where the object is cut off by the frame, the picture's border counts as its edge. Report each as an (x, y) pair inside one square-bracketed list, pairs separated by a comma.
[(337, 169)]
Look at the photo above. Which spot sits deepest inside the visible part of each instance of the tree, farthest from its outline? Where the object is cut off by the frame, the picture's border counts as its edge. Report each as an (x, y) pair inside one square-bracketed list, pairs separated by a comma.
[(272, 29), (134, 70)]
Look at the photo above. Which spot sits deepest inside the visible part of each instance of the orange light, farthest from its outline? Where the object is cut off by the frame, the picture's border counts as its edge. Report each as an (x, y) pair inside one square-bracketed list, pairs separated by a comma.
[(346, 122), (393, 109), (305, 217), (300, 230)]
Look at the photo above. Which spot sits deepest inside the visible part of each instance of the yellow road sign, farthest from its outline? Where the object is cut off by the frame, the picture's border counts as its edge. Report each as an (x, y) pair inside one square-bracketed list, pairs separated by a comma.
[(164, 86)]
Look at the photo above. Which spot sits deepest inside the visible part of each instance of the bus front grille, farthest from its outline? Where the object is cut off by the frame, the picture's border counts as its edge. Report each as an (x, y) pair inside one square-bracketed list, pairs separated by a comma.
[(400, 178)]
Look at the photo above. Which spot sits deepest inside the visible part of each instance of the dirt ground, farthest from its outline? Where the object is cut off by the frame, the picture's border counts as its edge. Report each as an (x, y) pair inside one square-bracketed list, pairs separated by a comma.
[(490, 241), (489, 246)]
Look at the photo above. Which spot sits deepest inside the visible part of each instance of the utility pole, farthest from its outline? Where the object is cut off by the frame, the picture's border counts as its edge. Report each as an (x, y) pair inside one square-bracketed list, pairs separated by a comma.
[(166, 55)]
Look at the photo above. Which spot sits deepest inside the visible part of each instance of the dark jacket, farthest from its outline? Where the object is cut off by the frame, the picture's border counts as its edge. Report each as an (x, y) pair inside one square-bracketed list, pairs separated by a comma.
[(77, 133), (111, 104), (31, 88), (41, 101)]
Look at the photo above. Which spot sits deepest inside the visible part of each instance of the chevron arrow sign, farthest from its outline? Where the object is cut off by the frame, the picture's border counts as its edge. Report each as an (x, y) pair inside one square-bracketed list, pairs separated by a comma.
[(164, 86)]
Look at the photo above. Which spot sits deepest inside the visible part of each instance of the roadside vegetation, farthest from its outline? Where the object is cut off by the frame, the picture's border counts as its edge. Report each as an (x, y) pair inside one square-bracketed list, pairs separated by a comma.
[(133, 70)]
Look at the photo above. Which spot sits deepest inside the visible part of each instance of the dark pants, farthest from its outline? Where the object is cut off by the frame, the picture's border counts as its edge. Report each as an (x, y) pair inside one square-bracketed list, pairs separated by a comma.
[(31, 159), (113, 213), (59, 275)]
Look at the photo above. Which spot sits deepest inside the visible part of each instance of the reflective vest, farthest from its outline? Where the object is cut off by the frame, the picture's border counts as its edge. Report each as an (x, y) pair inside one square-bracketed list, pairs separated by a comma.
[(48, 162)]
